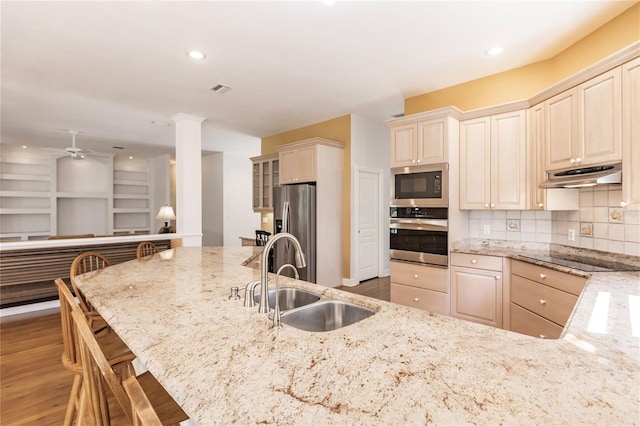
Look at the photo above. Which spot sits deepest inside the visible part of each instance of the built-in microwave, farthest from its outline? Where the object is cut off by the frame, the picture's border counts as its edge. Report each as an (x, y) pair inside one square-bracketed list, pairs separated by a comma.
[(420, 186)]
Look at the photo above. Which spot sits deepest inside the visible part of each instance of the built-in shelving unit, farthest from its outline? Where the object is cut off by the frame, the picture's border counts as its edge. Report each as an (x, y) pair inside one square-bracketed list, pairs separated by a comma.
[(44, 194), (131, 207)]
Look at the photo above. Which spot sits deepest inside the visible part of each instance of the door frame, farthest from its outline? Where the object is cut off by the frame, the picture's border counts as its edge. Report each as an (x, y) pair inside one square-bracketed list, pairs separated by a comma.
[(355, 209)]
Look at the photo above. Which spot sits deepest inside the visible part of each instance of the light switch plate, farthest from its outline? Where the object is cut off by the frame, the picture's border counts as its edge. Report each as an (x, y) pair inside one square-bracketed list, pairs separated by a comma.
[(571, 236)]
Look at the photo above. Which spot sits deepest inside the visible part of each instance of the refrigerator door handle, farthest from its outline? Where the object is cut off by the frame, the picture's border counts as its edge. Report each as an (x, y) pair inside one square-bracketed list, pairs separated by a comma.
[(286, 220)]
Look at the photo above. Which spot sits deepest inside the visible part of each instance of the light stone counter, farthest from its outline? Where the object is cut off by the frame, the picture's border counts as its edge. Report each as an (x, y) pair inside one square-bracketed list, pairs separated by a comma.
[(224, 363)]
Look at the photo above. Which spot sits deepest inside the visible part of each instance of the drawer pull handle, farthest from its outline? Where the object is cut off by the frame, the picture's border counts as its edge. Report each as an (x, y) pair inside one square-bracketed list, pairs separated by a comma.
[(415, 299), (415, 276), (543, 276), (542, 336), (497, 277), (543, 302), (474, 261)]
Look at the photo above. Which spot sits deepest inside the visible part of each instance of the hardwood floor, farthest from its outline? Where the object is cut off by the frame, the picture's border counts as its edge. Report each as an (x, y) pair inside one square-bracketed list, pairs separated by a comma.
[(379, 288), (35, 386)]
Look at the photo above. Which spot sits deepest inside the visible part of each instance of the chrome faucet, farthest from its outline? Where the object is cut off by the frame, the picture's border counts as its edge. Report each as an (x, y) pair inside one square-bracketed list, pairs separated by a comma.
[(276, 312), (264, 286)]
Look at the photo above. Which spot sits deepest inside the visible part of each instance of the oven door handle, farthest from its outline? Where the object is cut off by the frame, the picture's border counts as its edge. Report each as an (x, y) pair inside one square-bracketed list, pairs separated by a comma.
[(435, 225)]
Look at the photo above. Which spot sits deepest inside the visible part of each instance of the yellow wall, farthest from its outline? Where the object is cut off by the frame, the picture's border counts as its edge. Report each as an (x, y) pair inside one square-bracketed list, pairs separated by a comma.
[(526, 81), (337, 129)]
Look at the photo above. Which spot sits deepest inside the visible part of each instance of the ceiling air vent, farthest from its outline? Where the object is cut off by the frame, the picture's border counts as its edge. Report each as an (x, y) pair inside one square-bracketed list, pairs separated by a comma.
[(220, 88)]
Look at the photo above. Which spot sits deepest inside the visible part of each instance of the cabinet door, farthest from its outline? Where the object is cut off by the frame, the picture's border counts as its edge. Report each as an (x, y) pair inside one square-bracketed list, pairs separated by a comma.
[(257, 185), (476, 295), (599, 118), (475, 164), (266, 184), (404, 145), (631, 133), (306, 164), (561, 130), (508, 161), (288, 165), (432, 148), (535, 174)]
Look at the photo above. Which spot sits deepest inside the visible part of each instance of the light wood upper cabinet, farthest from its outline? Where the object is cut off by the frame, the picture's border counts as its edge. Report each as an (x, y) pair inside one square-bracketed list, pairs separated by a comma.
[(584, 123), (419, 143), (265, 177), (561, 130), (631, 133), (536, 198), (298, 164), (493, 162)]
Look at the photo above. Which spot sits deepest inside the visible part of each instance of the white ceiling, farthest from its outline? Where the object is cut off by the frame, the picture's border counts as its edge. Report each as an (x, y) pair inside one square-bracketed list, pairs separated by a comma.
[(108, 68)]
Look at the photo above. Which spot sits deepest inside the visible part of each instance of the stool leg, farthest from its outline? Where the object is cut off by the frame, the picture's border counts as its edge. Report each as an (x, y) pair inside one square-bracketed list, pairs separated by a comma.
[(74, 400)]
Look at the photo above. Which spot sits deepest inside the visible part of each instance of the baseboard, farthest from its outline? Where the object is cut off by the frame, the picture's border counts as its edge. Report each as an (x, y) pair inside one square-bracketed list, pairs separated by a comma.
[(350, 282), (31, 307)]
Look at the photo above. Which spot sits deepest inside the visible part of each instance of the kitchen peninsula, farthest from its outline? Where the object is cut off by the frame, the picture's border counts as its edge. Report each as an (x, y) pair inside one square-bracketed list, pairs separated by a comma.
[(223, 363)]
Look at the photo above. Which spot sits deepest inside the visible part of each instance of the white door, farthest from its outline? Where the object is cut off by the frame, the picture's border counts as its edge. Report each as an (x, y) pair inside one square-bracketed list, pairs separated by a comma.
[(368, 224)]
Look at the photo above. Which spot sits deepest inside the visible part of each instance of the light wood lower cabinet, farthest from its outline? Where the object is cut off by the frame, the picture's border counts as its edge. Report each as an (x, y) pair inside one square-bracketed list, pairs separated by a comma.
[(542, 299), (418, 286), (526, 322), (476, 288)]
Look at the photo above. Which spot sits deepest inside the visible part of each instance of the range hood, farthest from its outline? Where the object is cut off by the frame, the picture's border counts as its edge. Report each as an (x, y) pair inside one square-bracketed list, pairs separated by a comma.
[(584, 177)]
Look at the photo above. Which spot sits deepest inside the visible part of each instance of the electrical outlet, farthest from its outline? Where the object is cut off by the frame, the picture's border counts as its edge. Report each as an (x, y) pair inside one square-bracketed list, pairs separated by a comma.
[(265, 220), (486, 229), (571, 236)]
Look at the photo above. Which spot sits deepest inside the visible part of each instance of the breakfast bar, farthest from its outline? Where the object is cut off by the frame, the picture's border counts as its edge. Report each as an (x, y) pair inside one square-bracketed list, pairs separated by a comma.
[(224, 363)]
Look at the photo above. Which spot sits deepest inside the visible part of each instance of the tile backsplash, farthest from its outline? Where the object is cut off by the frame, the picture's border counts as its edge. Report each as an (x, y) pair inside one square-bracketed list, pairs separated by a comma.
[(600, 224)]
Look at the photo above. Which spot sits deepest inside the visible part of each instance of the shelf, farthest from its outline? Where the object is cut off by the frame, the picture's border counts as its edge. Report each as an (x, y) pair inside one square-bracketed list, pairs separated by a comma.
[(24, 236), (130, 182), (132, 210), (26, 194), (25, 211), (81, 195), (132, 230), (13, 176), (131, 196)]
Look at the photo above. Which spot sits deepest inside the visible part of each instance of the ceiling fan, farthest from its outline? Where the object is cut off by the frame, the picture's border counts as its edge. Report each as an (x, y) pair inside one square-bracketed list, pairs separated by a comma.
[(73, 151)]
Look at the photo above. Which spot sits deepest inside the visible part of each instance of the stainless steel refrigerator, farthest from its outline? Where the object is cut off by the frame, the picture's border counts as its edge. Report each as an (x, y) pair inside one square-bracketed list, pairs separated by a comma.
[(295, 212)]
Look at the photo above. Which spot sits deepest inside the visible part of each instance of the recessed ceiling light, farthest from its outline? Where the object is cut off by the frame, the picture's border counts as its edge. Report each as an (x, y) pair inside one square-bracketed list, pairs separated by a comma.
[(194, 54), (495, 51), (130, 157), (161, 123), (24, 146)]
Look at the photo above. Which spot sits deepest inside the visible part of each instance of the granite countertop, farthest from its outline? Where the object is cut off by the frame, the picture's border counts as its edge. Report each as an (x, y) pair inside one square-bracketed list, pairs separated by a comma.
[(223, 363)]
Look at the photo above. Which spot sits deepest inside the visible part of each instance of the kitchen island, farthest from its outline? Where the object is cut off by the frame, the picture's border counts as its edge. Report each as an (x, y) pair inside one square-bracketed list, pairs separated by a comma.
[(223, 363)]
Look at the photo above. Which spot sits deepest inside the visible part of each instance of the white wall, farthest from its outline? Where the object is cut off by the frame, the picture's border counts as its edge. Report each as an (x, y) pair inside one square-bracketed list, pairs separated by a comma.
[(370, 150), (161, 193), (212, 200), (239, 218)]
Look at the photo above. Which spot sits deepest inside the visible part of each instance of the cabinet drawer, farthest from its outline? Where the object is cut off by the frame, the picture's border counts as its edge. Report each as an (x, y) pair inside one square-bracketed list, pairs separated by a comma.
[(432, 301), (561, 280), (427, 277), (493, 263), (545, 301), (526, 322)]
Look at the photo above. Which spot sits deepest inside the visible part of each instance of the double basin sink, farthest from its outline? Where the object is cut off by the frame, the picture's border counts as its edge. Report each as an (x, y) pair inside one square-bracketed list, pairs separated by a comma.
[(305, 311)]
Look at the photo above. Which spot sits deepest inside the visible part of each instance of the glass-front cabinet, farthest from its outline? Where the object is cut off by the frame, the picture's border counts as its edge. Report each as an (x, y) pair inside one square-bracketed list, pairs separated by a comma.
[(265, 177)]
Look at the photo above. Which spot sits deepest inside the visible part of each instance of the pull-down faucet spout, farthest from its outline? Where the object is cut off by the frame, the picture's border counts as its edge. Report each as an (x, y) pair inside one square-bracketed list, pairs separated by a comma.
[(264, 286)]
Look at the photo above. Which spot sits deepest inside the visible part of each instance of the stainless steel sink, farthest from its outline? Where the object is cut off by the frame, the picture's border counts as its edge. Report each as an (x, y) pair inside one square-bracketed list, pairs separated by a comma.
[(326, 315), (289, 298)]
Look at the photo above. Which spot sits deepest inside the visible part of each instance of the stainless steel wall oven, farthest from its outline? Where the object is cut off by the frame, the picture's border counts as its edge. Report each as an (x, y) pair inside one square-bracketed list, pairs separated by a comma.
[(419, 234)]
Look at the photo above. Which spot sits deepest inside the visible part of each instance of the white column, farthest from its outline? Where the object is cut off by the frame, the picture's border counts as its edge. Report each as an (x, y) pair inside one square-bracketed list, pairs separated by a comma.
[(189, 178)]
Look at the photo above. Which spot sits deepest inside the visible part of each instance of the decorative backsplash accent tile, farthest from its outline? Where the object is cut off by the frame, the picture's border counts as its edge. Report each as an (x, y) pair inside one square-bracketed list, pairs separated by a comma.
[(586, 229), (513, 225), (616, 215)]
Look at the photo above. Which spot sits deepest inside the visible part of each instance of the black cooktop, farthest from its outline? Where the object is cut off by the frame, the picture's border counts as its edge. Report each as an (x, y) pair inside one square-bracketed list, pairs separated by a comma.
[(585, 264)]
